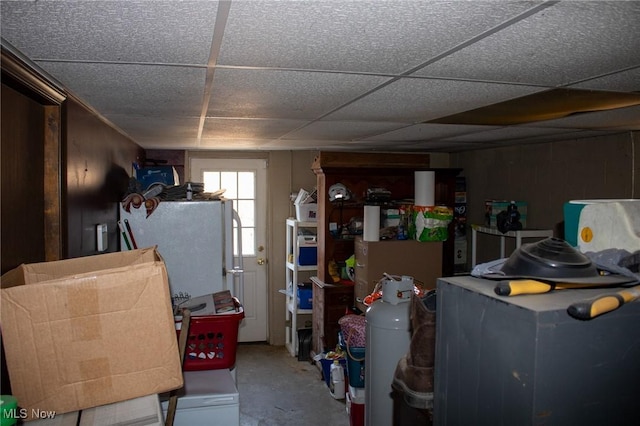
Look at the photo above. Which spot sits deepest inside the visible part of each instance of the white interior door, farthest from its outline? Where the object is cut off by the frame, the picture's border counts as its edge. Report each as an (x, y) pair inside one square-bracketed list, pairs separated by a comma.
[(245, 181)]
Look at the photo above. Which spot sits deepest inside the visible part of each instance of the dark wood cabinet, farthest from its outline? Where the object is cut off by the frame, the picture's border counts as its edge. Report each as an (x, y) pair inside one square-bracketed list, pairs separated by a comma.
[(359, 172), (330, 303)]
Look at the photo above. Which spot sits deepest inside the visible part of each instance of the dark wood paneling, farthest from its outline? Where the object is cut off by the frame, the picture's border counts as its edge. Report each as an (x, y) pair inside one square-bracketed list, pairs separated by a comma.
[(99, 162), (23, 237)]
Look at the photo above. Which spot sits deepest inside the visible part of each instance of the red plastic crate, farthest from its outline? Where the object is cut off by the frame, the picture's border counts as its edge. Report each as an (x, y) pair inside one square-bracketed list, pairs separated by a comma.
[(212, 342)]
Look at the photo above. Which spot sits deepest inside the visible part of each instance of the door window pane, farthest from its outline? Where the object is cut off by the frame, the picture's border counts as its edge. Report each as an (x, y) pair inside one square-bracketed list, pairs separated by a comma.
[(240, 188), (229, 181), (211, 181), (246, 211), (246, 185)]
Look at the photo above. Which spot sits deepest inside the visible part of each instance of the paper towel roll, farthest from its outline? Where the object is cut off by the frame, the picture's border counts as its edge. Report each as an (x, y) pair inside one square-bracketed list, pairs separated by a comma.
[(371, 223), (425, 185)]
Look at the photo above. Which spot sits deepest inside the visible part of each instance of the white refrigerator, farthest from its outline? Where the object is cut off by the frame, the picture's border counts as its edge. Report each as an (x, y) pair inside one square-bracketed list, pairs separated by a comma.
[(195, 240)]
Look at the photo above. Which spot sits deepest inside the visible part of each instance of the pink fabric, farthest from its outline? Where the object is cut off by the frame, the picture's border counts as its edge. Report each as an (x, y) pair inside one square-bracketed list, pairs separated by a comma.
[(353, 330)]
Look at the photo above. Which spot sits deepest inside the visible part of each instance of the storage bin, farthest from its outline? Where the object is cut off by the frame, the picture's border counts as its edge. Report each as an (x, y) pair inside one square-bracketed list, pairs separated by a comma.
[(308, 250), (212, 342), (307, 212), (305, 298)]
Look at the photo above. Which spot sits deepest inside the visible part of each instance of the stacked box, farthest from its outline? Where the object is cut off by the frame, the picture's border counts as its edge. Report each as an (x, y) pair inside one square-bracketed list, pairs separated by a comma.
[(460, 226), (494, 207)]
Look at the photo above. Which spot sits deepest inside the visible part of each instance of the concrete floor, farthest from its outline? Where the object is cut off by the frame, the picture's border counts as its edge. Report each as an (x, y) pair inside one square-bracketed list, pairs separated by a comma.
[(277, 389)]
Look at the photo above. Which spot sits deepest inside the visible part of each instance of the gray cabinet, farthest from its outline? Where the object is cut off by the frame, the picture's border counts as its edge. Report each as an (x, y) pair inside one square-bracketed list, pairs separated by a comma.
[(523, 360)]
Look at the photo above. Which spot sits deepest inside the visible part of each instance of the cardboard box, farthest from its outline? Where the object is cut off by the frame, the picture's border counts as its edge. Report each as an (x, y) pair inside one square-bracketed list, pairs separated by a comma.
[(89, 331)]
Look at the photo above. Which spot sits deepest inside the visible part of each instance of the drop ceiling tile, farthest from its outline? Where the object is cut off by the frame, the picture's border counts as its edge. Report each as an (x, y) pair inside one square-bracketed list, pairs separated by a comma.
[(625, 81), (559, 45), (414, 100), (148, 130), (231, 128), (360, 36), (504, 133), (425, 132), (133, 89), (178, 32), (612, 119), (451, 146), (370, 145), (553, 137), (422, 146), (342, 130), (304, 144), (283, 94), (232, 145)]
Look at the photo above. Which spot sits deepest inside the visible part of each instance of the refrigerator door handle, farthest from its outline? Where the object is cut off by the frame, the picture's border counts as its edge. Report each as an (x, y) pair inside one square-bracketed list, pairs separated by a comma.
[(238, 270)]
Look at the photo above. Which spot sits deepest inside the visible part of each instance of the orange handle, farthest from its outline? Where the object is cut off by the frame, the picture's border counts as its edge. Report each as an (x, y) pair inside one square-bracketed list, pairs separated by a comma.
[(514, 288), (590, 309)]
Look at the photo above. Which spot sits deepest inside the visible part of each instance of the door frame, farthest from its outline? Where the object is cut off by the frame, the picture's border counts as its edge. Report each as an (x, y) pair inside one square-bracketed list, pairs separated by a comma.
[(19, 71), (233, 155)]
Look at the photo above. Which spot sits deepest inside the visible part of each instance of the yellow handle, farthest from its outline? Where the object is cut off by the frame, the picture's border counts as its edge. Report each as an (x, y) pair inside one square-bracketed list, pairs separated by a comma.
[(590, 309), (514, 288)]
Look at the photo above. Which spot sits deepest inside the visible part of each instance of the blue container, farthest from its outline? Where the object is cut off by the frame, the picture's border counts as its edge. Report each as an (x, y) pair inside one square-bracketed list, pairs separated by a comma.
[(158, 174), (308, 256), (305, 297), (326, 368)]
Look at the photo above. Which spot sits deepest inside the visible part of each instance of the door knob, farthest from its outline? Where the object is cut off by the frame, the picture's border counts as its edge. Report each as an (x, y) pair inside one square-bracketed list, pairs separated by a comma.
[(261, 261)]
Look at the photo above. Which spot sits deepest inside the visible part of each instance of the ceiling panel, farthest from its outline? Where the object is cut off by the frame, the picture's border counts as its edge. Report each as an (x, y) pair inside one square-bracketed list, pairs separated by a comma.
[(139, 31), (421, 132), (625, 81), (155, 131), (331, 74), (560, 45), (342, 130), (413, 100), (378, 36), (504, 133), (162, 91), (283, 94), (238, 128)]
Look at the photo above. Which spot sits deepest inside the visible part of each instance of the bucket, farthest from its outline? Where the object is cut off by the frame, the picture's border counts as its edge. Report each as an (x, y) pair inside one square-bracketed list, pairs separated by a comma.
[(609, 225), (572, 211)]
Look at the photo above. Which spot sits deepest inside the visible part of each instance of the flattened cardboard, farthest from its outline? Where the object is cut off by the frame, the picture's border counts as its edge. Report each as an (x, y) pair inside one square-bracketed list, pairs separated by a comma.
[(89, 331)]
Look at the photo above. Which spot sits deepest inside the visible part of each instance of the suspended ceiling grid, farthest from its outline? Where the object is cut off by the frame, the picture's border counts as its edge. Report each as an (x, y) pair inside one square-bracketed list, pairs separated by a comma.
[(353, 75)]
